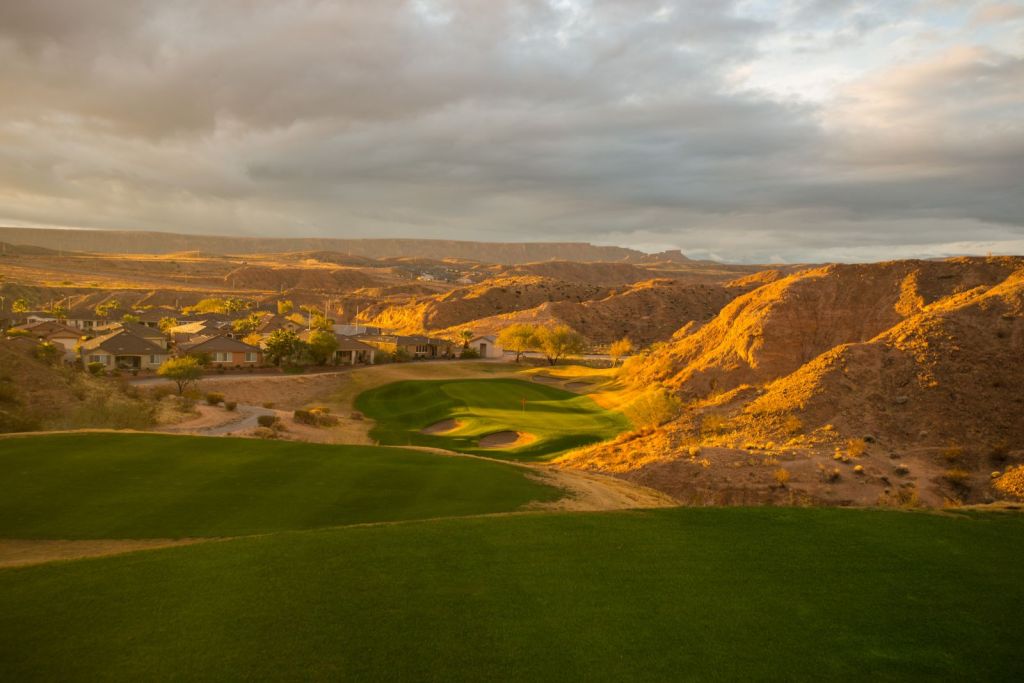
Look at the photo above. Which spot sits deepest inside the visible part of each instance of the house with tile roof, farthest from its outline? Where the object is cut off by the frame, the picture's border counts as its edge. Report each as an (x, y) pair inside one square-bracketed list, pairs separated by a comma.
[(122, 350), (222, 350)]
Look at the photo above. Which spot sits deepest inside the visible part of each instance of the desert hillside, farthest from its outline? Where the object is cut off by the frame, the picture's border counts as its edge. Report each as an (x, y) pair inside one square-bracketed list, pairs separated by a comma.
[(465, 304), (39, 395), (918, 361), (645, 312)]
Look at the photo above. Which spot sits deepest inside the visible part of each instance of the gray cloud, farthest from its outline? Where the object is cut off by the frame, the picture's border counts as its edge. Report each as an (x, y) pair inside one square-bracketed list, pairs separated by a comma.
[(610, 121)]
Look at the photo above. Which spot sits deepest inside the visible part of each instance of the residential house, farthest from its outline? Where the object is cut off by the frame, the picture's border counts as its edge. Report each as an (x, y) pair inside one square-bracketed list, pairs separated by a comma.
[(353, 329), (350, 351), (55, 333), (222, 350), (414, 346), (122, 350), (273, 323), (186, 332), (139, 330), (487, 346)]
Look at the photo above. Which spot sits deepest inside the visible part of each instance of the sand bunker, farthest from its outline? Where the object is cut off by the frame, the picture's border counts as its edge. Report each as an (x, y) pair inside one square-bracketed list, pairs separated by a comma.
[(578, 386), (440, 427), (506, 439), (546, 379)]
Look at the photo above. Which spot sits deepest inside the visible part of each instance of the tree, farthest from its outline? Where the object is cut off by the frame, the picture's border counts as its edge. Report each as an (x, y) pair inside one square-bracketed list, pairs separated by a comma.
[(246, 325), (182, 371), (236, 305), (282, 346), (167, 323), (518, 338), (559, 341), (47, 353), (19, 306), (618, 349), (104, 309), (321, 346), (284, 307), (466, 336), (130, 318), (320, 322), (253, 339)]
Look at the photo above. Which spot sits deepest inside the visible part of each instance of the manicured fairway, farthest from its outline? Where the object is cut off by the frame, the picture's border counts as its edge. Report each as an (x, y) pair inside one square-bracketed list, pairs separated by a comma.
[(158, 486), (682, 594), (558, 419)]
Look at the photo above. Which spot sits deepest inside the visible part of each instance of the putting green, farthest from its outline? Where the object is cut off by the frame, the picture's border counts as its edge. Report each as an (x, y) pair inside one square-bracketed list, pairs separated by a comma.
[(550, 420)]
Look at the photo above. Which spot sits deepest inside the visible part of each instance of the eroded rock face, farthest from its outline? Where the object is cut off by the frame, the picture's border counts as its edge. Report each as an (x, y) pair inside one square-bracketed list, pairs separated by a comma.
[(777, 328), (925, 358)]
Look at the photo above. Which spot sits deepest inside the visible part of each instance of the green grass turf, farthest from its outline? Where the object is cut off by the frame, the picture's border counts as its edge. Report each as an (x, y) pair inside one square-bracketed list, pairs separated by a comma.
[(682, 594), (158, 486), (559, 419)]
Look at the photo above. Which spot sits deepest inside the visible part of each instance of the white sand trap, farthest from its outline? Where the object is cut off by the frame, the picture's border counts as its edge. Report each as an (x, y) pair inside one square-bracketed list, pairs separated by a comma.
[(546, 379), (578, 386), (441, 427), (507, 439)]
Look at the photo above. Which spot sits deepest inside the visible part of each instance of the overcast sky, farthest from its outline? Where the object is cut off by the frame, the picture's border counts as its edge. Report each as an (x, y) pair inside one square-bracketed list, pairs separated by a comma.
[(797, 130)]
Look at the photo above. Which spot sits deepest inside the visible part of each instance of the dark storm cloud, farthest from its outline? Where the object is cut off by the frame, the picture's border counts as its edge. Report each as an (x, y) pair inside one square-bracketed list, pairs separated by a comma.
[(625, 121)]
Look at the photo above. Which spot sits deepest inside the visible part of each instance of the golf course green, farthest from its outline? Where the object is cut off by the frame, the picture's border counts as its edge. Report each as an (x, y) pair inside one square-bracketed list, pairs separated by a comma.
[(550, 420), (677, 594), (106, 485)]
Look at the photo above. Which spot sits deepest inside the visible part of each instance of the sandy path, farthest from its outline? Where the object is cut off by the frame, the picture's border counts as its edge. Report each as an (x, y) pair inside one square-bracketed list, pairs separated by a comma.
[(25, 552), (594, 492), (220, 422)]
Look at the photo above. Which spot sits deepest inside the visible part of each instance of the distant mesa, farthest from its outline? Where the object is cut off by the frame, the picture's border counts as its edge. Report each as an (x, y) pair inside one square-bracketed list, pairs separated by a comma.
[(143, 242)]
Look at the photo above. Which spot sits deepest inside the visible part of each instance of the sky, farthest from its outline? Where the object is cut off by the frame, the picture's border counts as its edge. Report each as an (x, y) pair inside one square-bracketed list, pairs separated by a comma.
[(745, 131)]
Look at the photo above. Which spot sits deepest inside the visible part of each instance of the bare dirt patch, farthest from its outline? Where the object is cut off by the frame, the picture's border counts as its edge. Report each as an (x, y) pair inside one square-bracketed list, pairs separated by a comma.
[(592, 492), (441, 427), (25, 552)]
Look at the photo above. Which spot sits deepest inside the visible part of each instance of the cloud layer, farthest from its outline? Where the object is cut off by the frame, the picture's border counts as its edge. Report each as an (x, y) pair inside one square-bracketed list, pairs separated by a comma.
[(747, 131)]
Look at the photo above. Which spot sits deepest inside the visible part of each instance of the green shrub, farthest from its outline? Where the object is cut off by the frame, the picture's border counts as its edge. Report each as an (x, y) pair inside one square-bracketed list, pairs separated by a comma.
[(213, 398), (781, 476), (264, 433), (96, 368), (268, 421), (325, 420), (230, 405), (468, 353), (653, 408), (48, 353), (305, 417)]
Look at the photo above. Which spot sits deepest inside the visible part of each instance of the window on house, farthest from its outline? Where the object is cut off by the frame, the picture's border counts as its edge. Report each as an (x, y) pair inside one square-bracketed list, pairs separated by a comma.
[(422, 348), (222, 357), (250, 356)]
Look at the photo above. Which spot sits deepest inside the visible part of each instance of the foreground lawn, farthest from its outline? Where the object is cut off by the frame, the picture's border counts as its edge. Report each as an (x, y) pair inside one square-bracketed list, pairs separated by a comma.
[(558, 419), (160, 486), (682, 594)]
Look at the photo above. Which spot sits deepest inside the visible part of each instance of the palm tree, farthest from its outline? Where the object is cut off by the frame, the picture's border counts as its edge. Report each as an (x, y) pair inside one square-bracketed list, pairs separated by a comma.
[(466, 336)]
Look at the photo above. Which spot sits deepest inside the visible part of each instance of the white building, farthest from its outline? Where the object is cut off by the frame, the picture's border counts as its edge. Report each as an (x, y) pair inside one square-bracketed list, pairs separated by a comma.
[(487, 346)]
